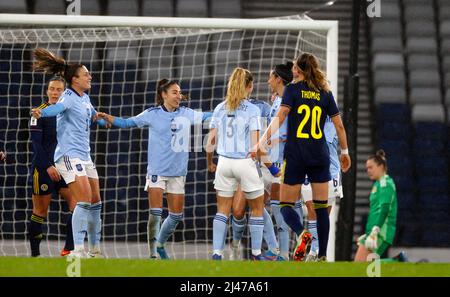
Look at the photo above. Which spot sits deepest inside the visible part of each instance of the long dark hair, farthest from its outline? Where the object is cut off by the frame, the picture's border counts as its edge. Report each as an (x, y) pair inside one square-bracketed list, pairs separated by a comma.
[(314, 77), (379, 158), (49, 63)]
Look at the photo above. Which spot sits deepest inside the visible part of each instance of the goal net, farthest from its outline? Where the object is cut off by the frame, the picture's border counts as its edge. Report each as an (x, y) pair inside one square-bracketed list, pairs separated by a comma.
[(126, 57)]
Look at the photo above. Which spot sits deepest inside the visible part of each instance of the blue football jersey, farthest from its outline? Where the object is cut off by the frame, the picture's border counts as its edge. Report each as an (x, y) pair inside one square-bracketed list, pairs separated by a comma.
[(276, 153), (73, 125), (264, 108), (234, 127), (168, 138)]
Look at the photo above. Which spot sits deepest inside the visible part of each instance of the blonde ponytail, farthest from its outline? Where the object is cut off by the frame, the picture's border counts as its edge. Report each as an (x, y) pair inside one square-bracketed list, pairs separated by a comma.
[(239, 80)]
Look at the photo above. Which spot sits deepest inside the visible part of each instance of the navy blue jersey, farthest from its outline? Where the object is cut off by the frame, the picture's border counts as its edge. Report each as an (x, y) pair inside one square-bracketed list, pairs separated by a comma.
[(308, 112), (43, 136)]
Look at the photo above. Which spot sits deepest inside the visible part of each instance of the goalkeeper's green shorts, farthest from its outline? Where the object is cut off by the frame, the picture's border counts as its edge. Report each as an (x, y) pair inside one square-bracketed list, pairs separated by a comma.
[(381, 243)]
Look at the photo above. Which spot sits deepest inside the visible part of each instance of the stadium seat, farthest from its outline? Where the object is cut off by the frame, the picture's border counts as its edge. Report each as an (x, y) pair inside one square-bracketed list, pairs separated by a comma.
[(390, 10), (386, 28), (123, 7), (445, 28), (420, 28), (386, 44), (424, 146), (417, 11), (49, 7), (226, 9), (428, 112), (394, 78), (422, 61), (425, 78), (431, 130), (393, 130), (192, 8), (385, 60), (434, 184), (425, 95), (434, 165), (421, 45), (157, 8)]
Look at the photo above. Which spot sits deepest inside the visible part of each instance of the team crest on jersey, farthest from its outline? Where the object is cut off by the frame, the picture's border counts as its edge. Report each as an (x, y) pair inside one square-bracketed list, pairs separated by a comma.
[(374, 190), (79, 167), (44, 187), (154, 178)]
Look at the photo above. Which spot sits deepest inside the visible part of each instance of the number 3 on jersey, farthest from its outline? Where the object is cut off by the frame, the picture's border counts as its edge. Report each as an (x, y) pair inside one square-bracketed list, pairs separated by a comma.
[(314, 115)]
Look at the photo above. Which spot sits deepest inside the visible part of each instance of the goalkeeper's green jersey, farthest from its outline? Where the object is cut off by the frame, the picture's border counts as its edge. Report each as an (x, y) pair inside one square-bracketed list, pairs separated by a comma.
[(383, 208)]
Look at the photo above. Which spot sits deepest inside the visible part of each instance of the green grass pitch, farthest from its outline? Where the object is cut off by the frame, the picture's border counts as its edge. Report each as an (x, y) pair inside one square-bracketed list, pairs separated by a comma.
[(16, 266)]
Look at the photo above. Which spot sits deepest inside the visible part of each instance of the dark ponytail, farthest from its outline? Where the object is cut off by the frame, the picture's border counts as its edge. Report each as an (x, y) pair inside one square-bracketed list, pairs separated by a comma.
[(284, 71), (380, 159), (51, 64), (314, 77)]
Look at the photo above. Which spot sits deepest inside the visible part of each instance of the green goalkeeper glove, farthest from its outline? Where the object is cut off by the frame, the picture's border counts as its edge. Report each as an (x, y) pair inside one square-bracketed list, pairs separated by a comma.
[(371, 241)]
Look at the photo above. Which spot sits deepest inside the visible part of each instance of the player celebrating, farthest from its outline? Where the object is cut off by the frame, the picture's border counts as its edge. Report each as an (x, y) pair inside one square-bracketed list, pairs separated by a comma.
[(235, 128), (168, 154), (46, 178), (381, 223), (75, 114), (306, 101)]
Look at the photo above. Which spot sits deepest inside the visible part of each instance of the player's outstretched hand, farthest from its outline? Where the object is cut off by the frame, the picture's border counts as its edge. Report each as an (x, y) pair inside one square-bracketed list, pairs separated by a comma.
[(2, 156), (346, 162), (54, 174), (106, 117), (212, 167), (36, 113)]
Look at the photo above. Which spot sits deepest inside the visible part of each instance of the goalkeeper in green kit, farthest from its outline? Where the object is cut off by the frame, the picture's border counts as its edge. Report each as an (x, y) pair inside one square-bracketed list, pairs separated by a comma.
[(381, 223)]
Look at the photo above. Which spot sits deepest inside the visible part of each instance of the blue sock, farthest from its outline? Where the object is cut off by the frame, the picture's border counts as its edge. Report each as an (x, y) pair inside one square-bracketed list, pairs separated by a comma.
[(312, 228), (323, 225), (168, 227), (282, 228), (68, 246), (291, 218), (95, 225), (269, 232), (219, 229), (238, 228), (299, 210), (256, 225), (153, 227), (80, 219)]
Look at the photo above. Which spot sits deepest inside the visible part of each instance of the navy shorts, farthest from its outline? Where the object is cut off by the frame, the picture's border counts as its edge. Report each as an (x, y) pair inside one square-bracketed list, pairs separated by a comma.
[(294, 172), (43, 184)]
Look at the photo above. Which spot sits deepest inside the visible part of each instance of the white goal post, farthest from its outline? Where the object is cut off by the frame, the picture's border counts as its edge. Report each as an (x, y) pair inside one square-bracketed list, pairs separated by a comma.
[(126, 56)]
